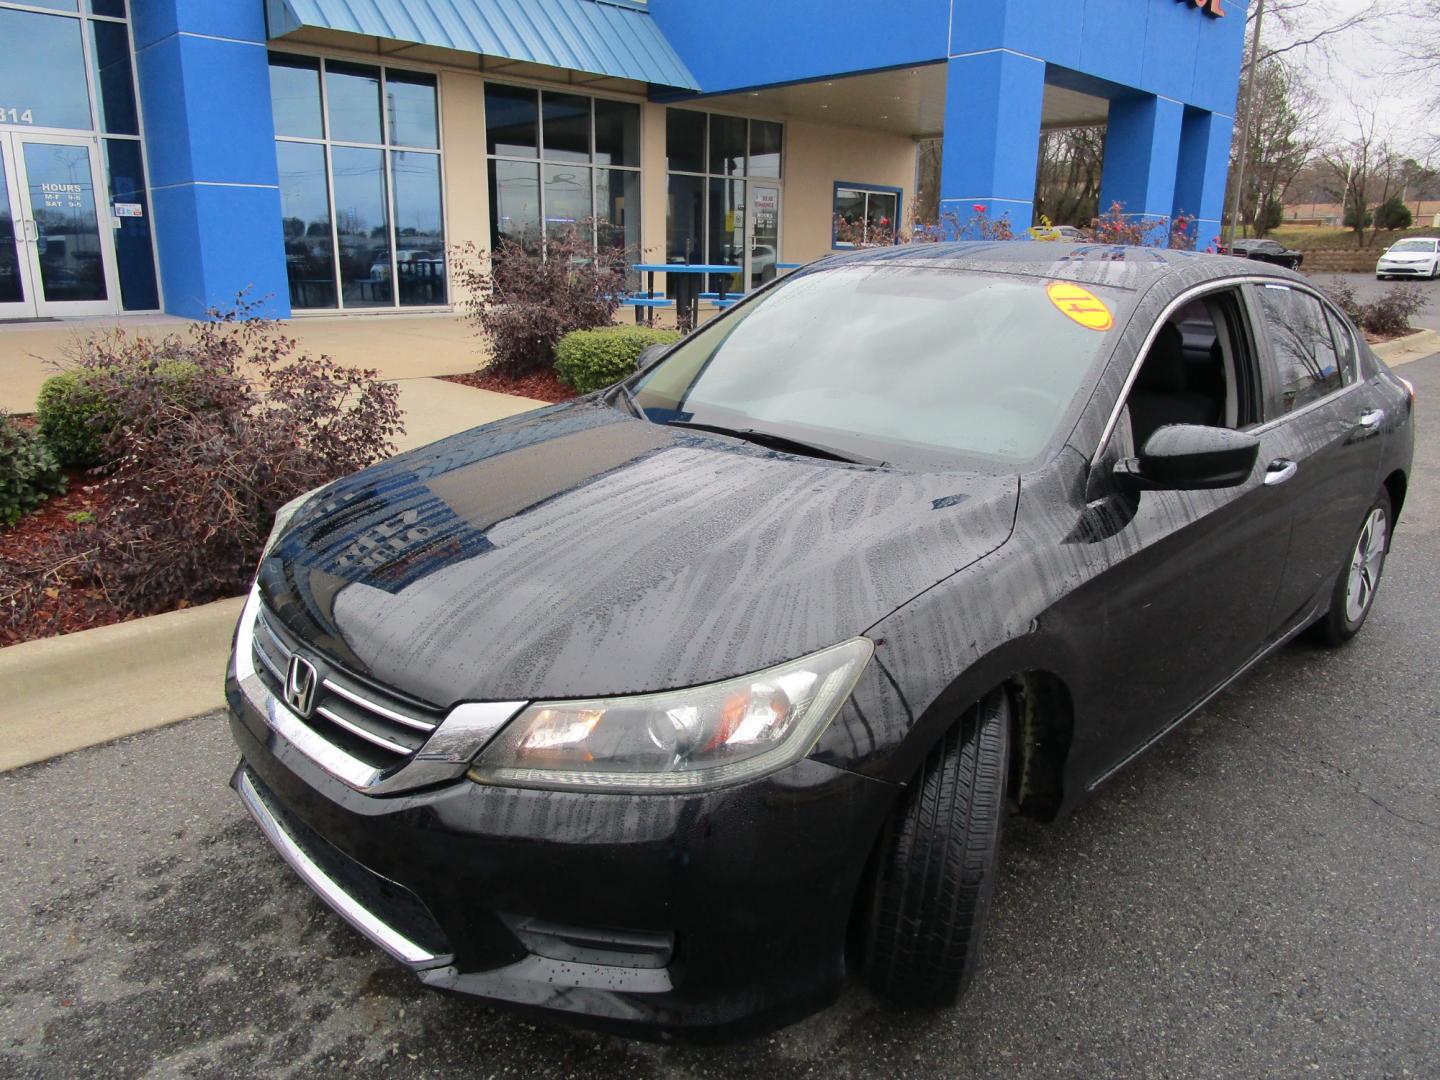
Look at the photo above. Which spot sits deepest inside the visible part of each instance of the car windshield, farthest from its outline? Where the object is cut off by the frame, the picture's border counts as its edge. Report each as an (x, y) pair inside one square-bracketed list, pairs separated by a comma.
[(1426, 246), (913, 366)]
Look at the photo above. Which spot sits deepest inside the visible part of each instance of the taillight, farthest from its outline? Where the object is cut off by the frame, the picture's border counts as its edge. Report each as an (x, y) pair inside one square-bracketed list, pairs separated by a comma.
[(1409, 388)]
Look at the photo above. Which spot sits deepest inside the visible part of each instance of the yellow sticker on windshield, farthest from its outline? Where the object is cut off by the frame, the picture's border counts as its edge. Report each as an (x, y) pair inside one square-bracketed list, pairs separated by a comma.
[(1082, 305)]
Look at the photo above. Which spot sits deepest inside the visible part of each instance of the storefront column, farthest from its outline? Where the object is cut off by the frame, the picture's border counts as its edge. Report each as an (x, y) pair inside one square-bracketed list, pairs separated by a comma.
[(993, 102), (209, 136), (1203, 169), (1142, 148)]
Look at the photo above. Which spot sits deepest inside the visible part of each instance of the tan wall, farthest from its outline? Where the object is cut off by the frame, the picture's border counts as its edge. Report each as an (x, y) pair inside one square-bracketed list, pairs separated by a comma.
[(817, 155), (467, 194)]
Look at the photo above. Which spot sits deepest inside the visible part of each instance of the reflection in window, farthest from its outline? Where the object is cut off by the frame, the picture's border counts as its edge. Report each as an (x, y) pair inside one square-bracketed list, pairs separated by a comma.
[(865, 216), (295, 96), (684, 215), (1307, 368), (305, 212), (62, 199), (352, 95), (419, 228), (12, 290), (364, 226), (410, 99), (727, 145), (134, 255), (42, 81), (727, 232), (563, 192), (764, 148), (684, 140), (110, 48)]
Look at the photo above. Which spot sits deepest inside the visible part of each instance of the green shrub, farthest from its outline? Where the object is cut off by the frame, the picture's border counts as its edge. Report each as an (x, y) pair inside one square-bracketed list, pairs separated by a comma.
[(1393, 214), (29, 473), (591, 359), (75, 413)]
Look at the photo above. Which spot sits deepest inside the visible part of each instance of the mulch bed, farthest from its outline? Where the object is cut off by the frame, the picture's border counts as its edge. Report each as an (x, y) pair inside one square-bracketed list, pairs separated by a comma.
[(543, 385), (36, 548)]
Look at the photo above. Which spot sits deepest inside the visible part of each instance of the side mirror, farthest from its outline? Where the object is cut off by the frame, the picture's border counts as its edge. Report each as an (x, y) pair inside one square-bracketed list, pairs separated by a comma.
[(1191, 457), (649, 355)]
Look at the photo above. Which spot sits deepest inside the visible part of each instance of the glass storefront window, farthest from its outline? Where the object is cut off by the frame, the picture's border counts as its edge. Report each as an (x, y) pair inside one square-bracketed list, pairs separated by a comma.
[(364, 224), (566, 131), (134, 252), (566, 124), (617, 133), (864, 216), (113, 8), (512, 121), (305, 212), (42, 81), (514, 202), (295, 96), (411, 104), (110, 50), (12, 288), (419, 228), (352, 95), (719, 151)]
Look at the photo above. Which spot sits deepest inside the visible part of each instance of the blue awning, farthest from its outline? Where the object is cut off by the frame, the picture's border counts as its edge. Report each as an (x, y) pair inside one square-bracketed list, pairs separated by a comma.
[(603, 37)]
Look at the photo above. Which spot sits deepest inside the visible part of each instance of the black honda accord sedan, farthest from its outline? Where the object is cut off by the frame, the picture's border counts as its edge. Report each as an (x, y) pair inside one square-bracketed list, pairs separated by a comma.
[(664, 707)]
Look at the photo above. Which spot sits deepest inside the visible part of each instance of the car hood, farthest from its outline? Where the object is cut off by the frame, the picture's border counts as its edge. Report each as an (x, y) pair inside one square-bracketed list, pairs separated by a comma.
[(1407, 256), (579, 551)]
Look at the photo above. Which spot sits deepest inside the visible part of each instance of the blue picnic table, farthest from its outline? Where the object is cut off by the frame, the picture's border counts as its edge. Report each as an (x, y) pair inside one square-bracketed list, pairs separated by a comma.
[(685, 291)]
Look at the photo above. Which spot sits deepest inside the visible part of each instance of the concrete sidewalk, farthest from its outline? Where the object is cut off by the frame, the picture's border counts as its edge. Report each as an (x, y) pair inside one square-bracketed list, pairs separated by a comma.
[(398, 346)]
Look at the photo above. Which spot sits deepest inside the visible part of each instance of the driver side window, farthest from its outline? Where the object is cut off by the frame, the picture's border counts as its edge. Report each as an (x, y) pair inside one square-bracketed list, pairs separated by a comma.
[(1198, 370)]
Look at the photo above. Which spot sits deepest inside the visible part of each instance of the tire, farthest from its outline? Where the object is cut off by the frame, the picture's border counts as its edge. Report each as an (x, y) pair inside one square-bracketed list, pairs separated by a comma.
[(1359, 577), (935, 865)]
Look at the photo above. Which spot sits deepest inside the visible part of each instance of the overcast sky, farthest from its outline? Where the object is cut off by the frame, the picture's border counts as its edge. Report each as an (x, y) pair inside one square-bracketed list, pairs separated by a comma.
[(1363, 62)]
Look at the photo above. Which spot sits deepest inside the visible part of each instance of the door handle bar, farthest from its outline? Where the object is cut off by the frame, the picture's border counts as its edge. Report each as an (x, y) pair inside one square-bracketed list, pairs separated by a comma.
[(1372, 418), (1280, 470)]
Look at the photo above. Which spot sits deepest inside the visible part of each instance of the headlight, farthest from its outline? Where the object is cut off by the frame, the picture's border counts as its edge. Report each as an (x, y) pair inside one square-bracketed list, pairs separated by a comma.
[(283, 516), (680, 740)]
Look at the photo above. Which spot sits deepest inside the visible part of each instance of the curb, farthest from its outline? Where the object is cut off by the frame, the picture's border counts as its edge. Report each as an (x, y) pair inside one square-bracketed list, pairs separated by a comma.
[(1403, 350), (77, 690)]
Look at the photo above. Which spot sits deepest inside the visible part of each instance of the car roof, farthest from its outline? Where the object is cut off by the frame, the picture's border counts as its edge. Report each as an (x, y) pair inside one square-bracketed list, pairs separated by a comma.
[(1113, 265)]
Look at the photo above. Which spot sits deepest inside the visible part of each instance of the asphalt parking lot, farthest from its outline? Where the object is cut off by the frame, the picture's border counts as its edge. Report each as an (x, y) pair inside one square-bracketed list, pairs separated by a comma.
[(1368, 289), (1258, 897)]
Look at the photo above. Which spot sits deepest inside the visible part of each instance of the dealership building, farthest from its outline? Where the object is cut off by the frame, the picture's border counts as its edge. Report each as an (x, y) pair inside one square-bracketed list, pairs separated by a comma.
[(162, 155)]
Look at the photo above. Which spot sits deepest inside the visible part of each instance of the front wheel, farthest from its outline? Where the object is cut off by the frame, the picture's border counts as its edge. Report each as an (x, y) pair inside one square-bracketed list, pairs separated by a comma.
[(1354, 591), (935, 865)]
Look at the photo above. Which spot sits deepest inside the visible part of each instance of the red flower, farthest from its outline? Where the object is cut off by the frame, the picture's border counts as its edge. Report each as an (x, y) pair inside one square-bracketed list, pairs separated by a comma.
[(979, 208)]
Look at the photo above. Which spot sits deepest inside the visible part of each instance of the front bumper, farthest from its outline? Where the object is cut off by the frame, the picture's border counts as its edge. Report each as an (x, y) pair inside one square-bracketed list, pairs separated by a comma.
[(717, 912), (1403, 269)]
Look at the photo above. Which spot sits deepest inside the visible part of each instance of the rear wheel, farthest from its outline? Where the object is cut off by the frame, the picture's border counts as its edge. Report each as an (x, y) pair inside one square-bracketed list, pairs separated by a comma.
[(1354, 591), (935, 866)]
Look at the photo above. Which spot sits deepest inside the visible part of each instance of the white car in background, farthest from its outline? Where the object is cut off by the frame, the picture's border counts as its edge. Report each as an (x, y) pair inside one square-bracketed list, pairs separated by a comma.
[(1415, 256)]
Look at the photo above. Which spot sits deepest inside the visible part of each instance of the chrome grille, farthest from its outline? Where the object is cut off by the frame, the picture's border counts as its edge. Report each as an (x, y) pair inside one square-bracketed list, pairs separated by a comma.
[(374, 725)]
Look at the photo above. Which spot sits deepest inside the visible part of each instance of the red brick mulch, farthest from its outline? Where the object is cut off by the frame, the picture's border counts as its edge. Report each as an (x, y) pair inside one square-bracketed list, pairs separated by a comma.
[(42, 589), (543, 385)]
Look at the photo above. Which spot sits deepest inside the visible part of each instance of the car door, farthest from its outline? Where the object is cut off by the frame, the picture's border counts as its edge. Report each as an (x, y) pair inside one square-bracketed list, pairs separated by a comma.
[(1185, 596), (1320, 439)]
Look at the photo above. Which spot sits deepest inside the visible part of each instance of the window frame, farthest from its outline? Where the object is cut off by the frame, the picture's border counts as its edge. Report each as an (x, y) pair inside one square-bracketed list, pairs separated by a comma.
[(707, 174), (1269, 369), (387, 148), (540, 161), (867, 190)]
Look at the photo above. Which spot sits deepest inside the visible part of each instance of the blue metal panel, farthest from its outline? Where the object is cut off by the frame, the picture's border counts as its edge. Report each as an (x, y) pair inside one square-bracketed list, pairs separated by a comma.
[(993, 102), (1110, 45), (1142, 150), (1203, 166), (743, 44), (1041, 28), (154, 20), (580, 35), (1172, 33)]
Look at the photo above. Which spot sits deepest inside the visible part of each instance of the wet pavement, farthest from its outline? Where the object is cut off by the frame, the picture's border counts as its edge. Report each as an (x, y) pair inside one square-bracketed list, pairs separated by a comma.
[(1259, 896)]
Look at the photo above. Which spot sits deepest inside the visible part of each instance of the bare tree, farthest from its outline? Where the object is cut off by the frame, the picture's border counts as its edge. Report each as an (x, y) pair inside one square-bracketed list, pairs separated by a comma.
[(1363, 170), (1067, 182), (1283, 140)]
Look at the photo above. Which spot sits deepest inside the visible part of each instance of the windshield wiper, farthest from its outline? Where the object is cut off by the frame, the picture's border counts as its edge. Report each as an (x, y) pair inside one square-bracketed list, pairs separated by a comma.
[(776, 441), (629, 398)]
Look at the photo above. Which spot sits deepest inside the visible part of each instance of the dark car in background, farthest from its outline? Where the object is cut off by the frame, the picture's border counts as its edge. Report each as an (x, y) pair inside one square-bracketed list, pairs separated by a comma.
[(666, 707), (1265, 251)]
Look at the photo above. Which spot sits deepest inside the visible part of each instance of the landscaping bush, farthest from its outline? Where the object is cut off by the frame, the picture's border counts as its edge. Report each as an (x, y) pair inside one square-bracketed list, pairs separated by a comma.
[(1390, 314), (72, 419), (1342, 295), (29, 473), (1393, 214), (591, 359), (534, 293), (212, 431)]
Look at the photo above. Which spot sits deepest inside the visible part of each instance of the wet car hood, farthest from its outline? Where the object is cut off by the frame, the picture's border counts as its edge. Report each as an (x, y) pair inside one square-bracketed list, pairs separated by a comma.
[(579, 551)]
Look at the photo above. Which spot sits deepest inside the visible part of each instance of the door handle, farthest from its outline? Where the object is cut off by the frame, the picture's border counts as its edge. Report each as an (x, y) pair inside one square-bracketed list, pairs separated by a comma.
[(1372, 418), (1280, 470)]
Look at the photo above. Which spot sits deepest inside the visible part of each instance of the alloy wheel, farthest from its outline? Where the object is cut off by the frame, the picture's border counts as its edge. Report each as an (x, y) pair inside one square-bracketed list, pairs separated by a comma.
[(1365, 565)]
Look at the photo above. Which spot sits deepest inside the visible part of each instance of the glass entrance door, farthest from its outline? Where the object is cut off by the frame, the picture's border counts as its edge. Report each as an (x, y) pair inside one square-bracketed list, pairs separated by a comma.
[(64, 247), (16, 301), (764, 234)]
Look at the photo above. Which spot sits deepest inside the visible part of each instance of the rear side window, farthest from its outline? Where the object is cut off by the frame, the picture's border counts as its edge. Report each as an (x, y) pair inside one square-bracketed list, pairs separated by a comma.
[(1303, 364), (1344, 347)]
